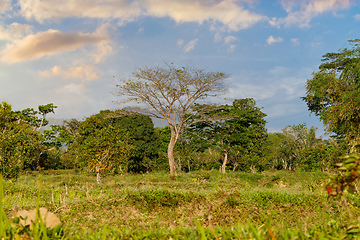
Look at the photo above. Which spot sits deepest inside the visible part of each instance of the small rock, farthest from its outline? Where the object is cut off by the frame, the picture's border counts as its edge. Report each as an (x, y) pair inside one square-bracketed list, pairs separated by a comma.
[(49, 218), (281, 184)]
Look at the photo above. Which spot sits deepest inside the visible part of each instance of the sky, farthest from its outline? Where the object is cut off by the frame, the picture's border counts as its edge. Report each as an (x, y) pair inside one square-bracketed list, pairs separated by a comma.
[(72, 53)]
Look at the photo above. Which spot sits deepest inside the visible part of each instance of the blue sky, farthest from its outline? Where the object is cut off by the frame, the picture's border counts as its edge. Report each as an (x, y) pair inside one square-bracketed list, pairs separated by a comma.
[(72, 52)]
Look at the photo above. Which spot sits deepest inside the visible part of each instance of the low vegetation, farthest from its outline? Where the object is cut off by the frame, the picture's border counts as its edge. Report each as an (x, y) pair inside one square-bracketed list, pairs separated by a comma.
[(195, 205)]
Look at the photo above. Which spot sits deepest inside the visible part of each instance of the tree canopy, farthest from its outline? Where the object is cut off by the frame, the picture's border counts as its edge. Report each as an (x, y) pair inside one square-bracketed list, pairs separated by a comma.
[(237, 130), (128, 140), (333, 92), (21, 142)]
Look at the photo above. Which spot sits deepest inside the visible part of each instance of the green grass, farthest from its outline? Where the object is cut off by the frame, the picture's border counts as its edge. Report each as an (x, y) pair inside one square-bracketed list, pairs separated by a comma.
[(195, 205)]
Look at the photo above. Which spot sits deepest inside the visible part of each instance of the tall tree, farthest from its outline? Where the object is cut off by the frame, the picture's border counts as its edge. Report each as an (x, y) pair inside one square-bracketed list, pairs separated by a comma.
[(50, 141), (169, 93), (20, 144), (127, 139), (237, 129), (297, 139), (333, 93), (273, 152), (104, 146), (143, 138)]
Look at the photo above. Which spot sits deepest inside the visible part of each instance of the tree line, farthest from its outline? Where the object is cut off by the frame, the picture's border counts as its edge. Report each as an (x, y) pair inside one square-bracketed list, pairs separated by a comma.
[(114, 142), (199, 134)]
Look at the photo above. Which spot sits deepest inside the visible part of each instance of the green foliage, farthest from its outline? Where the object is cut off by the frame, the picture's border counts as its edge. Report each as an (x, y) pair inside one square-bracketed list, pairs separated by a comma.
[(98, 135), (163, 136), (298, 138), (321, 157), (272, 150), (29, 115), (298, 148), (144, 140), (238, 131), (345, 179), (23, 146), (19, 148), (68, 135), (19, 143), (333, 93), (69, 131), (129, 138)]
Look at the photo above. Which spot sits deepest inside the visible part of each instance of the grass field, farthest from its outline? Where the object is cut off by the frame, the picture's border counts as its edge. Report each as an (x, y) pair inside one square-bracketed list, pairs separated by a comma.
[(195, 205)]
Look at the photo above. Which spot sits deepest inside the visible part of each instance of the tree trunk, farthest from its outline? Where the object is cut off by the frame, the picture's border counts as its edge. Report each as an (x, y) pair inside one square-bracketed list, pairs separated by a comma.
[(253, 168), (224, 162), (171, 152), (353, 144), (235, 166), (98, 173), (98, 177)]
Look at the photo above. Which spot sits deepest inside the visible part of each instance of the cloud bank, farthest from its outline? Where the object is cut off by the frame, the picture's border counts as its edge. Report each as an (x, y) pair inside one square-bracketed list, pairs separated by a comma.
[(5, 5), (309, 9), (48, 43), (81, 72), (14, 31), (226, 12)]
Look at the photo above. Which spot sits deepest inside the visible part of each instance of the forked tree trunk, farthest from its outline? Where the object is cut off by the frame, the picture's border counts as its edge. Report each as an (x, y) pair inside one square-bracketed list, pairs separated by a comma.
[(223, 167)]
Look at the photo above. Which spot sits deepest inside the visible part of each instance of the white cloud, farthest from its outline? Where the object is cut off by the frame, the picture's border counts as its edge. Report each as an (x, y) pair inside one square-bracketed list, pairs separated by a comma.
[(230, 39), (14, 31), (48, 43), (74, 88), (295, 41), (191, 45), (357, 17), (40, 10), (308, 10), (228, 13), (256, 91), (5, 5), (217, 37), (231, 48), (180, 42), (103, 50), (272, 40), (81, 72)]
